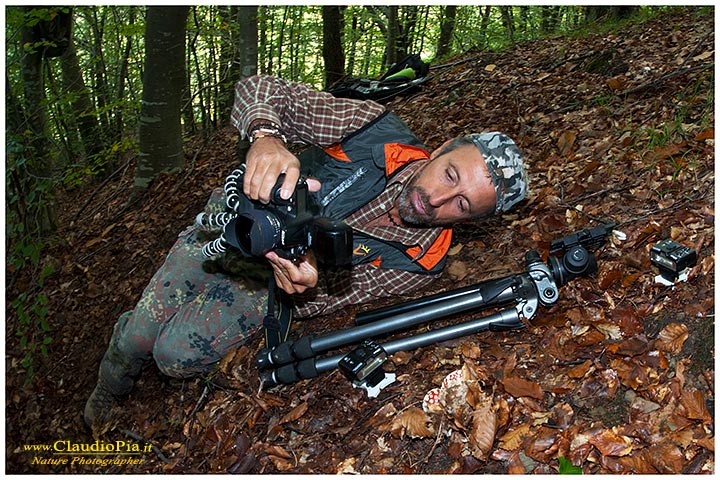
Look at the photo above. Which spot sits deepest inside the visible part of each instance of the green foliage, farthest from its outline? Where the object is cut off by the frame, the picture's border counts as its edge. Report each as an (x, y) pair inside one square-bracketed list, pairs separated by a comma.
[(24, 256), (567, 468)]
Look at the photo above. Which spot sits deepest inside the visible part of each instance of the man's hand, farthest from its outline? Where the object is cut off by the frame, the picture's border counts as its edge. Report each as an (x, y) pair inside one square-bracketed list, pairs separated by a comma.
[(292, 277), (266, 160)]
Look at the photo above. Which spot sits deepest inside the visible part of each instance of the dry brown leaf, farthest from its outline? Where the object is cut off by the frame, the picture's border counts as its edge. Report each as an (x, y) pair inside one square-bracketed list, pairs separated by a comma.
[(471, 350), (457, 270), (513, 439), (672, 337), (482, 433), (279, 456), (518, 387), (413, 422), (475, 397), (579, 371), (609, 278), (566, 142), (382, 415), (516, 465), (617, 83), (667, 458), (295, 413), (612, 444), (667, 151), (455, 250), (707, 134), (695, 407)]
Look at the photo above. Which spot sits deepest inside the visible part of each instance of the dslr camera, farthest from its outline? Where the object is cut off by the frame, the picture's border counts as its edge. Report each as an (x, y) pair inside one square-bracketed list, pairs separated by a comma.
[(288, 227)]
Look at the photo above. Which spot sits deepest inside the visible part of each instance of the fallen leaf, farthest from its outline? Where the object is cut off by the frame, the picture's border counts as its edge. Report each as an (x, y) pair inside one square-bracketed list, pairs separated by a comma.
[(457, 270), (518, 387), (612, 444), (295, 413), (672, 337), (707, 134), (566, 142), (482, 433), (413, 422), (579, 371), (694, 403), (513, 439)]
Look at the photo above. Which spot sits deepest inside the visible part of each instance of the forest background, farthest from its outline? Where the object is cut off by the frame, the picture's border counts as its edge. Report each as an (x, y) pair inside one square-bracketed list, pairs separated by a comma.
[(619, 100)]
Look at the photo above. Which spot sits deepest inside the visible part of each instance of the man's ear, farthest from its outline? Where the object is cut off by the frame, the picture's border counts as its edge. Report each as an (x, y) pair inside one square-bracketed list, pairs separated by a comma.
[(437, 151)]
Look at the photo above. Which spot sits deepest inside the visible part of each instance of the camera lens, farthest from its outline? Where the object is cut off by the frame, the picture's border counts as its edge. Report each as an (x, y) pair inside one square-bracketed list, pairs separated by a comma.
[(254, 233)]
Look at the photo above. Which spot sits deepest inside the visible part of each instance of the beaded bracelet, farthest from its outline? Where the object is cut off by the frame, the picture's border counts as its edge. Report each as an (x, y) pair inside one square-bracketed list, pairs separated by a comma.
[(261, 130)]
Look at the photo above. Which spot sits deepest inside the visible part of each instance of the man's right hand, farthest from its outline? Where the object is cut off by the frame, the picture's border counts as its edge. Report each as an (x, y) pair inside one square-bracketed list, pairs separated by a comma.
[(266, 160)]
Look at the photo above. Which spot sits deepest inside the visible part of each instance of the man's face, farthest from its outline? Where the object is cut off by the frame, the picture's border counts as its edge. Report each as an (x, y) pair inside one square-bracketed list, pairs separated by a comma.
[(450, 188)]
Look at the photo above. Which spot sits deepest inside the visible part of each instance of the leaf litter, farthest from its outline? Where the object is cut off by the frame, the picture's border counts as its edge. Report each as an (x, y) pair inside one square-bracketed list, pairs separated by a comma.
[(617, 377)]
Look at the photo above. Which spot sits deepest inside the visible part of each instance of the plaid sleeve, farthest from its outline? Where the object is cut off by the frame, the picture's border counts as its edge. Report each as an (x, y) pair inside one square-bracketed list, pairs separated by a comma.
[(364, 283), (305, 115)]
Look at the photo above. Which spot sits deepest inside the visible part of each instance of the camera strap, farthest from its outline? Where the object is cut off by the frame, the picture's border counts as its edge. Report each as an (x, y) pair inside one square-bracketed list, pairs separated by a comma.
[(279, 316)]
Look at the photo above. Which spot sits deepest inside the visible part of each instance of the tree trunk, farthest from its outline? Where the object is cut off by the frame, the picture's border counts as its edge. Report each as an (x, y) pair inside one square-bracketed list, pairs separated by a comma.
[(40, 215), (484, 22), (446, 30), (83, 110), (619, 12), (549, 18), (240, 55), (247, 41), (101, 89), (333, 54), (507, 20), (163, 82), (393, 27), (122, 77)]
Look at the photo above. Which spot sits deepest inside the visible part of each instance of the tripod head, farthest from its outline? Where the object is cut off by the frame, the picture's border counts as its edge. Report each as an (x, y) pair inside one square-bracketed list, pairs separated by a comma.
[(570, 256)]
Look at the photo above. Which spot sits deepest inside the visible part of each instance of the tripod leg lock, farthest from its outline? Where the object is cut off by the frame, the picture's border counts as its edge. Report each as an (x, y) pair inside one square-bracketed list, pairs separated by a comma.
[(286, 352)]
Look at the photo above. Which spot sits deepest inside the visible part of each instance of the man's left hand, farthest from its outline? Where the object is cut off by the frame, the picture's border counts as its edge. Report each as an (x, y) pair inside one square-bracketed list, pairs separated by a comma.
[(294, 277)]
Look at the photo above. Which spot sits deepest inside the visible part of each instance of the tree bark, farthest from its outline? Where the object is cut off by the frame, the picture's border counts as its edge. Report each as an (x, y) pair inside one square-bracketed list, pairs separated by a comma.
[(333, 54), (83, 110), (447, 26), (163, 81), (393, 27), (40, 215)]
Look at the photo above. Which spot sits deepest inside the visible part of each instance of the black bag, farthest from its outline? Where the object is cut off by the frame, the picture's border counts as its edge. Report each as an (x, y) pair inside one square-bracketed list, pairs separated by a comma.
[(405, 76)]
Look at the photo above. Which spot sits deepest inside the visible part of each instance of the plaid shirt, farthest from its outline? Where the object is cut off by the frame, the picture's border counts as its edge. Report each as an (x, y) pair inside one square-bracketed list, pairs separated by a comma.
[(317, 118)]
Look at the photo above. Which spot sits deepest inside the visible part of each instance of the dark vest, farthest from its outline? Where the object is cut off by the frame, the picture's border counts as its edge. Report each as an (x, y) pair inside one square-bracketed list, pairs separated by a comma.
[(356, 171)]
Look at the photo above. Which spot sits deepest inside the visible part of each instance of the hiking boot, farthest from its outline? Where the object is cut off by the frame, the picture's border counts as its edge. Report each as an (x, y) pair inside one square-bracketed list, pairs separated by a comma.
[(99, 405)]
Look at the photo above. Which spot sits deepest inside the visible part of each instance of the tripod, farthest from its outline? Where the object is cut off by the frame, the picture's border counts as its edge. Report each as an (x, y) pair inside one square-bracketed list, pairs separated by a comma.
[(521, 294)]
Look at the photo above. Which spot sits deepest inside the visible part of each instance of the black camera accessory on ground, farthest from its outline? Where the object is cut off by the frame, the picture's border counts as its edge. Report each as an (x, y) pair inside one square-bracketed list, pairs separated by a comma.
[(672, 259), (363, 366)]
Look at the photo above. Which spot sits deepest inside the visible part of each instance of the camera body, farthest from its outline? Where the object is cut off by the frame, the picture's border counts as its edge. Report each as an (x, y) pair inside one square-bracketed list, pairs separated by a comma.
[(288, 227)]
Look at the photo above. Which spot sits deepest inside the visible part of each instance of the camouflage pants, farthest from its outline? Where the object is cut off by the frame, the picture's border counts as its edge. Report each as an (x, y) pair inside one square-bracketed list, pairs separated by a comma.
[(190, 315)]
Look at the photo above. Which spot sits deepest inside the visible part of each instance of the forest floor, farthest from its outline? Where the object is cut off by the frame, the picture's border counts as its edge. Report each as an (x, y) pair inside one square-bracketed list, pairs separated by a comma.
[(617, 377)]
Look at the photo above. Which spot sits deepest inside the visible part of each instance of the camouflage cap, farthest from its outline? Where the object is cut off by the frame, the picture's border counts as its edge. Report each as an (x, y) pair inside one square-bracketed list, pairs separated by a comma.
[(507, 168)]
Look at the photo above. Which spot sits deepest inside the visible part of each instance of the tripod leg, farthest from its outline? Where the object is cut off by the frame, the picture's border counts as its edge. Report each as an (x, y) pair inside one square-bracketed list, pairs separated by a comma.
[(312, 367)]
